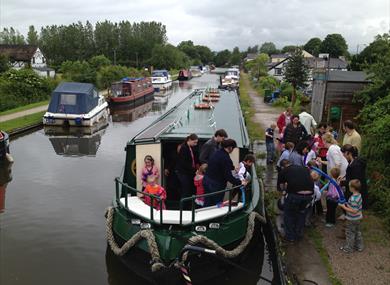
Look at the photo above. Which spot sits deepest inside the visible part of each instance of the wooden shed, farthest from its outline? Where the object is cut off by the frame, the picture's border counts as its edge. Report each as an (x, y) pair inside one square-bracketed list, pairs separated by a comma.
[(333, 93)]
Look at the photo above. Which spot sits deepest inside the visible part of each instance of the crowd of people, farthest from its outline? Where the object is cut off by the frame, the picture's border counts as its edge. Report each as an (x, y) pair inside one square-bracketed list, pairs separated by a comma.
[(317, 175), (199, 172)]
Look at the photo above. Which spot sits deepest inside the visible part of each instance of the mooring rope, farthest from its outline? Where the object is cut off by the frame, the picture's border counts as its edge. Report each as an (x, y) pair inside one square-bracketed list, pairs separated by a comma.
[(198, 239)]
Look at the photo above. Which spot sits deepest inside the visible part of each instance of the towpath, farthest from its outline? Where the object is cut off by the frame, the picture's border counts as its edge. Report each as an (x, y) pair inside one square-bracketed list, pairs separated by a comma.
[(23, 113), (303, 261)]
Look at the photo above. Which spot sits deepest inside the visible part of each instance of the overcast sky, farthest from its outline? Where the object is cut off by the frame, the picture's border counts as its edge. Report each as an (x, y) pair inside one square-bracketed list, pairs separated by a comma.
[(218, 24)]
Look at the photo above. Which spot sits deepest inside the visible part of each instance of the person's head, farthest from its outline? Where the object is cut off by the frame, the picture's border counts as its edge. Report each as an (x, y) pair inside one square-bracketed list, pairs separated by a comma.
[(322, 128), (149, 161), (289, 111), (350, 152), (289, 145), (285, 163), (220, 135), (249, 159), (273, 126), (151, 179), (335, 172), (328, 139), (295, 119), (192, 140), (355, 186), (348, 126), (229, 145), (315, 176), (302, 148), (202, 169)]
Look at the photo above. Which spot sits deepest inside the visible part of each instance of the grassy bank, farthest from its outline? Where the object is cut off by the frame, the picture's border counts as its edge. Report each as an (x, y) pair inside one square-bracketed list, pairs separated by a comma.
[(255, 131), (21, 122), (23, 108)]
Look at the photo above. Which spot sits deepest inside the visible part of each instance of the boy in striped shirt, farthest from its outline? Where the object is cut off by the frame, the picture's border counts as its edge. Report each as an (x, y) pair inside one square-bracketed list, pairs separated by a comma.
[(353, 235)]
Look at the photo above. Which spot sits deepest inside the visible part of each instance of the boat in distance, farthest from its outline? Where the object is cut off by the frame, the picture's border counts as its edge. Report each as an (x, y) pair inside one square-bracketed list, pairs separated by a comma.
[(75, 104), (130, 91), (158, 242), (161, 80)]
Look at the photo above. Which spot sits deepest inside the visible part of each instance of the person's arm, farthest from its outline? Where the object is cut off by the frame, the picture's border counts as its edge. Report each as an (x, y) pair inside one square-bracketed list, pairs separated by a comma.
[(228, 166), (241, 171), (348, 209), (204, 153)]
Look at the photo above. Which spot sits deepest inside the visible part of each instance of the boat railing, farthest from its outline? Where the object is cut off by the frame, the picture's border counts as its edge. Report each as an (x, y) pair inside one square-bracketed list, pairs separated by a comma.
[(126, 190)]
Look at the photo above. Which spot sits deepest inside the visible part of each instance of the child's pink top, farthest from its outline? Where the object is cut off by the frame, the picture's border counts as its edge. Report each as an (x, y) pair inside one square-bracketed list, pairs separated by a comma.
[(156, 190), (147, 171), (198, 182)]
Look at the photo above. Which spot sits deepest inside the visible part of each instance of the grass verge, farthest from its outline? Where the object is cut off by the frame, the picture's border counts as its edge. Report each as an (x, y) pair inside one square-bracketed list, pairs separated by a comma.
[(316, 237), (25, 107), (255, 131), (21, 122)]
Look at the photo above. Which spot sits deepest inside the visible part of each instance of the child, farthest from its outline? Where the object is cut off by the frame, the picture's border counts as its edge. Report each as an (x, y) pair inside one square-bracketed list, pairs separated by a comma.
[(332, 197), (148, 170), (316, 197), (153, 188), (353, 208), (247, 163), (269, 143), (198, 182)]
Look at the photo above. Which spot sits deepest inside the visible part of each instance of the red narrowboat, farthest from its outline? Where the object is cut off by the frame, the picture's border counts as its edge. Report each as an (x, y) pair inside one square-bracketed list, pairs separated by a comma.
[(184, 74), (131, 91)]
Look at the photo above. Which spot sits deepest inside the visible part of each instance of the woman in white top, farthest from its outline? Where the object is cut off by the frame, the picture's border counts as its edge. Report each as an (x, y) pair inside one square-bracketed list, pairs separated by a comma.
[(335, 157)]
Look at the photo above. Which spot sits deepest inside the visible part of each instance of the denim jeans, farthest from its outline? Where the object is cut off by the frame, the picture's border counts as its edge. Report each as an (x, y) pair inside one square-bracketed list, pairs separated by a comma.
[(353, 236), (270, 146), (295, 209)]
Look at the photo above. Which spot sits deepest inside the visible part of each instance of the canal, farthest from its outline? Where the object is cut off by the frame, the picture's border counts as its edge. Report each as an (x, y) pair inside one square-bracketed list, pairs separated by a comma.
[(52, 230)]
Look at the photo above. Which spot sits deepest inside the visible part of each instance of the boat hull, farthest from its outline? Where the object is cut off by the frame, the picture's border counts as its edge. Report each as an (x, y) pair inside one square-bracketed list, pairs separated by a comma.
[(132, 100), (162, 86)]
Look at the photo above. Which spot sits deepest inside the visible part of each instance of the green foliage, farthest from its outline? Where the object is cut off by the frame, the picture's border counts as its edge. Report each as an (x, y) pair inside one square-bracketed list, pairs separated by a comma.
[(22, 87), (28, 120), (313, 46), (281, 102), (268, 48), (168, 57), (335, 45), (11, 37), (269, 82), (289, 48), (78, 71), (99, 61), (258, 66), (235, 58), (111, 73), (222, 58), (32, 36), (4, 63)]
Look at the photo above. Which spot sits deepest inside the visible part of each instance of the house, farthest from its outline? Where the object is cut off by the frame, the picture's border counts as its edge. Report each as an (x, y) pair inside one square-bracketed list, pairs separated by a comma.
[(27, 56), (250, 56), (333, 92)]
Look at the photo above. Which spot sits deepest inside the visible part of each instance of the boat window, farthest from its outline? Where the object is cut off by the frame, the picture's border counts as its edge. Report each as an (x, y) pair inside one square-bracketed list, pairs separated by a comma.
[(95, 94), (68, 99)]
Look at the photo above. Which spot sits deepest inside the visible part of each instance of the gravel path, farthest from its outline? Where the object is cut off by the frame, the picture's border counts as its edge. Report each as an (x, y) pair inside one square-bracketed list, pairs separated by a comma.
[(23, 113)]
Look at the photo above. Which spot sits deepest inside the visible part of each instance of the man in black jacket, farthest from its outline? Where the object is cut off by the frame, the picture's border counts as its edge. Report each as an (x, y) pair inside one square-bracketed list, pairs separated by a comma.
[(219, 172), (212, 145)]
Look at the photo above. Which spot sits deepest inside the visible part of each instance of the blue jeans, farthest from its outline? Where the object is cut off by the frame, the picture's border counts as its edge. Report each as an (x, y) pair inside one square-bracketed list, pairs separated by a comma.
[(211, 186), (270, 146), (295, 210)]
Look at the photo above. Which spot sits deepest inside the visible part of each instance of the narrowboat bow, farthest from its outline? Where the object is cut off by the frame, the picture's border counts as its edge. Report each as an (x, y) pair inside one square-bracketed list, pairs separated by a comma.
[(139, 233)]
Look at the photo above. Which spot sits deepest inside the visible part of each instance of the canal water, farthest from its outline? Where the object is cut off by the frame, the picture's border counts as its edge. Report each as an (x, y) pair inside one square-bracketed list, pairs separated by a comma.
[(52, 229)]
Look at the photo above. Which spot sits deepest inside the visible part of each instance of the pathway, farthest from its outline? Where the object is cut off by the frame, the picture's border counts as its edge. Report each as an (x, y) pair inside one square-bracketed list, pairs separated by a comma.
[(23, 113), (303, 260)]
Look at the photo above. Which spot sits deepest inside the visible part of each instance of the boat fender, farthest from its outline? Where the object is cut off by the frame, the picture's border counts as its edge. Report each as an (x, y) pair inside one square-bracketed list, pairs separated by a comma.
[(78, 121)]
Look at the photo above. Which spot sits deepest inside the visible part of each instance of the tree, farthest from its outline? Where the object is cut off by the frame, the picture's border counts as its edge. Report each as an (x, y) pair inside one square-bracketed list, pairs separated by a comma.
[(4, 63), (205, 54), (222, 58), (296, 72), (99, 61), (313, 46), (235, 58), (109, 74), (254, 49), (32, 36), (287, 49), (258, 66), (11, 37), (168, 56), (335, 45), (268, 48)]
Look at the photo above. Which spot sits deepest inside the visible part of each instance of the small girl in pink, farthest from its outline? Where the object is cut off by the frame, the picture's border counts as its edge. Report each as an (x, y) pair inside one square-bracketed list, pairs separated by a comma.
[(157, 190), (198, 182), (149, 169)]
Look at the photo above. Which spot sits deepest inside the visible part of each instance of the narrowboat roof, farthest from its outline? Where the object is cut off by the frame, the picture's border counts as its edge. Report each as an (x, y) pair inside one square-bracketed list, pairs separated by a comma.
[(74, 87), (130, 79), (184, 119)]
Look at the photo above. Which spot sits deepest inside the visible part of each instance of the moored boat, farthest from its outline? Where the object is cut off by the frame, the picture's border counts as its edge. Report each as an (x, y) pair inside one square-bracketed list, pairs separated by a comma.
[(184, 74), (138, 232), (131, 91), (230, 79), (4, 148), (161, 80), (75, 104)]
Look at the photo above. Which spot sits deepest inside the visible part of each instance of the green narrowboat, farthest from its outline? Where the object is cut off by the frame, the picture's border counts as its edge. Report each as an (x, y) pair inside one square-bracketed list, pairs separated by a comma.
[(163, 240)]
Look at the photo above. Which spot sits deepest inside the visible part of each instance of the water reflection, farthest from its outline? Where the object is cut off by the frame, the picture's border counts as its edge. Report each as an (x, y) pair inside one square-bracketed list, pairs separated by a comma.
[(5, 178), (129, 114), (78, 141)]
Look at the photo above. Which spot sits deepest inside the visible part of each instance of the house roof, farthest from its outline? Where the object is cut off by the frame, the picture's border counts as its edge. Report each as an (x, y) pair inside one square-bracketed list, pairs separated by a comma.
[(18, 52), (347, 76), (334, 63), (280, 55), (251, 55)]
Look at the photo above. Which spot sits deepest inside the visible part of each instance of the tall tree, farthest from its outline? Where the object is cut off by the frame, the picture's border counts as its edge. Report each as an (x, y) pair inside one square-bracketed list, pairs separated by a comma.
[(296, 72), (222, 58), (254, 49), (235, 59), (168, 56), (335, 45), (258, 66), (289, 48), (205, 54), (32, 36), (268, 48), (11, 37), (313, 46)]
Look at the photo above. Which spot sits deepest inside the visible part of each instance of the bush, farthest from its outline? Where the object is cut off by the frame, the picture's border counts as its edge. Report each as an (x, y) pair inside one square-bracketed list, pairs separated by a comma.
[(269, 82)]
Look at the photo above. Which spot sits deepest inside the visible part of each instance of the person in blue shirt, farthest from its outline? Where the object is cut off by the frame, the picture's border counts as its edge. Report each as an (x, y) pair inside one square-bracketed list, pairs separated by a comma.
[(270, 144), (219, 172)]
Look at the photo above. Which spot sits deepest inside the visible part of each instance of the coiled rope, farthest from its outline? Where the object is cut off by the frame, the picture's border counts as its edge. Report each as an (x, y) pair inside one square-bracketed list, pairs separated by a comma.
[(198, 239)]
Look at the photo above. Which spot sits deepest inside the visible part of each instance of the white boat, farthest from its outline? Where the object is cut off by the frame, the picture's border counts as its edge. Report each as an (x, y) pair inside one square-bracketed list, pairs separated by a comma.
[(196, 72), (75, 104), (161, 80)]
